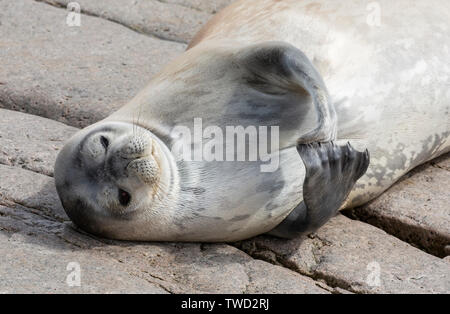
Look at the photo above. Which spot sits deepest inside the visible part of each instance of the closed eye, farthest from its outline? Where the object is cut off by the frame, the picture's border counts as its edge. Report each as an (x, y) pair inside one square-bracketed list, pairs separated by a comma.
[(104, 141)]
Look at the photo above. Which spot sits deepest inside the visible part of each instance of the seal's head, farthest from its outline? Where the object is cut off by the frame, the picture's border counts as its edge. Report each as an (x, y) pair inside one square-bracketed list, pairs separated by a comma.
[(112, 175)]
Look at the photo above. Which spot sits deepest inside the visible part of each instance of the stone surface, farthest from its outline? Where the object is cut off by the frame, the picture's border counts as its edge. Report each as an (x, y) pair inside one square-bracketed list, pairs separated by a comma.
[(32, 190), (35, 262), (348, 254), (210, 6), (164, 19), (76, 75), (416, 209), (31, 142)]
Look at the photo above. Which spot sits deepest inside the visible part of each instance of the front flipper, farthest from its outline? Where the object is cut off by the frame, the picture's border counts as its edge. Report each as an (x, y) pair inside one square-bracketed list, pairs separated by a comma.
[(331, 172)]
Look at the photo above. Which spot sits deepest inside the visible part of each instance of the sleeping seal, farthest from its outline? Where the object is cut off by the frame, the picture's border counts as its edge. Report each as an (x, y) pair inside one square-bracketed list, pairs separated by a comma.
[(335, 88)]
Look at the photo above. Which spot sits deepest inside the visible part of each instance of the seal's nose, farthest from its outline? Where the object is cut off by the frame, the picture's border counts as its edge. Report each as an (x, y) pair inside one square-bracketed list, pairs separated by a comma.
[(125, 151), (137, 146), (137, 158)]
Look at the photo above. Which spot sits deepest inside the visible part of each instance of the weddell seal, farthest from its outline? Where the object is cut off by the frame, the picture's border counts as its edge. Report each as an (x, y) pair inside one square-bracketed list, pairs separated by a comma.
[(331, 85)]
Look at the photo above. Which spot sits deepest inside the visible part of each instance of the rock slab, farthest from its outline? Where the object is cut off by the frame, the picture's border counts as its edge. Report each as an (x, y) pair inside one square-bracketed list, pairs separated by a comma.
[(76, 75)]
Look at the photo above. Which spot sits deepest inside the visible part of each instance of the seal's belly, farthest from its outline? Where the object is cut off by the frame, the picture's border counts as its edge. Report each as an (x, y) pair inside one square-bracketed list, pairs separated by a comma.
[(225, 201)]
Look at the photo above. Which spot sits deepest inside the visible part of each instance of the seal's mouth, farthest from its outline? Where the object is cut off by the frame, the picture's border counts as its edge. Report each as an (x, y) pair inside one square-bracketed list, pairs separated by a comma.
[(140, 157), (145, 161)]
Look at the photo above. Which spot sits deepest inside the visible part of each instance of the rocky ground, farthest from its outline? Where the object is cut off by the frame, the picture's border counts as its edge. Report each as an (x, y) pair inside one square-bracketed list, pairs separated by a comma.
[(55, 79)]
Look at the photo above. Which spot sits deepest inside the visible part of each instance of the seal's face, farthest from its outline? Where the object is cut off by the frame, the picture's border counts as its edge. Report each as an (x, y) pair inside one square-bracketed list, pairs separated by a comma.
[(107, 175)]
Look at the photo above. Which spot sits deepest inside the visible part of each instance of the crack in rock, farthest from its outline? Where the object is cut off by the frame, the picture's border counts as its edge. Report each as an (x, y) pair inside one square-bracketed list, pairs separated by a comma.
[(134, 29), (261, 252)]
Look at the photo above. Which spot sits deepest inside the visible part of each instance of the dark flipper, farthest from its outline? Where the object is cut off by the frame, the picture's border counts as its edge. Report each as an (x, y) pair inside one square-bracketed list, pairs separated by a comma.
[(331, 172)]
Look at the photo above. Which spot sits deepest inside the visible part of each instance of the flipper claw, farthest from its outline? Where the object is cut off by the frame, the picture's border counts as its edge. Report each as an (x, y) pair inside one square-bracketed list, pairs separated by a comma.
[(331, 173)]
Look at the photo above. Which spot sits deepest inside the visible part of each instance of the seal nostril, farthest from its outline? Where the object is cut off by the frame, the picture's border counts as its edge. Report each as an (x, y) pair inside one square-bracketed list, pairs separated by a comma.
[(124, 197), (104, 141)]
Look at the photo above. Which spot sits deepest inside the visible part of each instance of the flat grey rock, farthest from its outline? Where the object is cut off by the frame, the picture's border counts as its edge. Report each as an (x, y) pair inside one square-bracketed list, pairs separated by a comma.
[(32, 190), (173, 20), (35, 262), (416, 209), (349, 254), (210, 6), (77, 75), (31, 142)]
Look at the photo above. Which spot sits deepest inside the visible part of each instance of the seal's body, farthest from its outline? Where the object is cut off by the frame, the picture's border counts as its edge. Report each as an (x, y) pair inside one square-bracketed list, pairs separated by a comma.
[(387, 74), (321, 71)]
